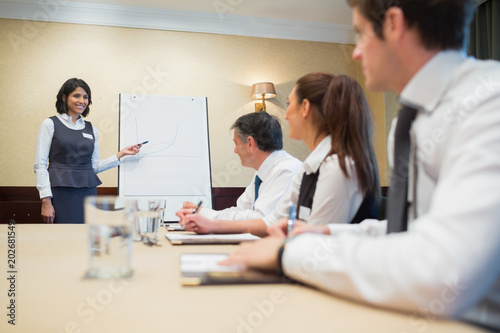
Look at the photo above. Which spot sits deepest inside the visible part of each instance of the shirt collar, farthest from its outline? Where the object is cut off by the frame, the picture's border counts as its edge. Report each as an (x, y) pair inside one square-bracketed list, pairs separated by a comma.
[(268, 164), (67, 118), (318, 155), (427, 87)]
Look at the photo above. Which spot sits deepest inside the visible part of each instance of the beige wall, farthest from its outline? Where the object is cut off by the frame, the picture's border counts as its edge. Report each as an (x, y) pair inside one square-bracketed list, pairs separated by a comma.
[(392, 107), (36, 59)]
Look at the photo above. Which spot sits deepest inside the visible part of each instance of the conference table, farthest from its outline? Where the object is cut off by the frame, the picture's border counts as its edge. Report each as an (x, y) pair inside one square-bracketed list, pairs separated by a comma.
[(52, 295)]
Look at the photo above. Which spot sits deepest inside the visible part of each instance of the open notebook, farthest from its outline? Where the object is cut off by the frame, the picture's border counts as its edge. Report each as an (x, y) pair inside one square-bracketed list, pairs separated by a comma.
[(203, 269)]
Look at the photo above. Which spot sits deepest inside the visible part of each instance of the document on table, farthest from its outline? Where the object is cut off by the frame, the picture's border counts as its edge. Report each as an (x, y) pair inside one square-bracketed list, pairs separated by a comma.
[(174, 227), (205, 262), (190, 239), (204, 269)]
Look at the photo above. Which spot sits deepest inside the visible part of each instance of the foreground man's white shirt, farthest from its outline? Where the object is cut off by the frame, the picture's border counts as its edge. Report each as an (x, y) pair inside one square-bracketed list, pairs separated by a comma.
[(448, 264)]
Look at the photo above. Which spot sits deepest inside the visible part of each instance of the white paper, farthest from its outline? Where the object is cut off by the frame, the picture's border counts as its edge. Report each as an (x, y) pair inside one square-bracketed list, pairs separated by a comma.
[(228, 237), (205, 263)]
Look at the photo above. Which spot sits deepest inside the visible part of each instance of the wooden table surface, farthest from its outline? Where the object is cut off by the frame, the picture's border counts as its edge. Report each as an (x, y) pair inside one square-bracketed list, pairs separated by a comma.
[(51, 295)]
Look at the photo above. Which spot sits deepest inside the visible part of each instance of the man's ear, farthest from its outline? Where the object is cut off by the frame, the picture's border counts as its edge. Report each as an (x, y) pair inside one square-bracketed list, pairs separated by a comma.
[(251, 143), (394, 24)]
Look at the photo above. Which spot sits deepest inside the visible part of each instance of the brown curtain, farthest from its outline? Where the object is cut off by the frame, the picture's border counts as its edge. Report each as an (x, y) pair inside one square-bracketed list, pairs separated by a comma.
[(484, 38)]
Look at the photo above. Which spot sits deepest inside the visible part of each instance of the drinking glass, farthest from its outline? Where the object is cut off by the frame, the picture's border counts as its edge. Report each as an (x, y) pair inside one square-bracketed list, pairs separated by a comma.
[(149, 212), (110, 228)]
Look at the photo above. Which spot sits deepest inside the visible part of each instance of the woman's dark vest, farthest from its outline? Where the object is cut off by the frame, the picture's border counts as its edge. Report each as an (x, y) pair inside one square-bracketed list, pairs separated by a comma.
[(70, 156), (367, 210)]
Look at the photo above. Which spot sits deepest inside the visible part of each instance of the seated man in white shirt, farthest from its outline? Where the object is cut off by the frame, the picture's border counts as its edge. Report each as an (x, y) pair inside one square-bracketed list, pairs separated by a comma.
[(258, 141), (447, 262)]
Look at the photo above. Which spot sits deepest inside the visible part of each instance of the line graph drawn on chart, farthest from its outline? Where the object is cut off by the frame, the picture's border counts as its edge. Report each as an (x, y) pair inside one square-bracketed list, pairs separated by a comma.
[(164, 148), (175, 161)]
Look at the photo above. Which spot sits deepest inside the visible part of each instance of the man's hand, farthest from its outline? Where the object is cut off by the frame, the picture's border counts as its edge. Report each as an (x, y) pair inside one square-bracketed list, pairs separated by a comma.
[(261, 254), (196, 222), (188, 205)]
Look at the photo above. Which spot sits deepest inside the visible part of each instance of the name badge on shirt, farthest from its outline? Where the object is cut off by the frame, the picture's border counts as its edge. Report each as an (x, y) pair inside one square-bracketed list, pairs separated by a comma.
[(304, 213), (88, 136)]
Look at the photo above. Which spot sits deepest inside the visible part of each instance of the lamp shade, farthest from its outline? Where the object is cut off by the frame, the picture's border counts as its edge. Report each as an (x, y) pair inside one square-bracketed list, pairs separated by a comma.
[(266, 88)]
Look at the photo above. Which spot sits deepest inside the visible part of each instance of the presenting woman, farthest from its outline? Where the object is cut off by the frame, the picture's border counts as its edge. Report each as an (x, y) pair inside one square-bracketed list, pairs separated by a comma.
[(338, 182), (69, 146)]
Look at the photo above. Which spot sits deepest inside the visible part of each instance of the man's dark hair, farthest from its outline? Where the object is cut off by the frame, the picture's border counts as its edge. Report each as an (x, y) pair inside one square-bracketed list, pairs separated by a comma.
[(442, 24), (67, 88), (264, 128)]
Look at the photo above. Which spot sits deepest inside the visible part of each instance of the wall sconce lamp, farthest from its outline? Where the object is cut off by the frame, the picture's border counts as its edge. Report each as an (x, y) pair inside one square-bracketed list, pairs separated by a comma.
[(262, 90)]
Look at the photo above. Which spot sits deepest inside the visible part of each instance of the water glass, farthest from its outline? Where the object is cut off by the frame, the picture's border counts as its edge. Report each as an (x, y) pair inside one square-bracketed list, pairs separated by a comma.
[(110, 228), (149, 212)]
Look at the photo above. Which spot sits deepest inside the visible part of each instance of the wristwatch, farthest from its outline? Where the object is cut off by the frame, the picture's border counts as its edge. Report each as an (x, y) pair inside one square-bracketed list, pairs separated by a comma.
[(280, 257)]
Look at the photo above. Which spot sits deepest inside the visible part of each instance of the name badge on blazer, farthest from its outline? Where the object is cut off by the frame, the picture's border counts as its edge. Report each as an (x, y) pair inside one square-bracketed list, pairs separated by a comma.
[(304, 213), (88, 136)]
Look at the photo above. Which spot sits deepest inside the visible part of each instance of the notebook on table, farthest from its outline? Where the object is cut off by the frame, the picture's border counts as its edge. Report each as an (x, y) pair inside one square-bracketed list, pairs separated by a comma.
[(174, 226), (203, 269)]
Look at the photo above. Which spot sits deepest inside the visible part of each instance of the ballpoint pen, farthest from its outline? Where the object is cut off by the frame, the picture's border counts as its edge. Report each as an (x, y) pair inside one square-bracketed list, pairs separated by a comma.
[(141, 144), (177, 227), (197, 207), (291, 218), (181, 227)]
